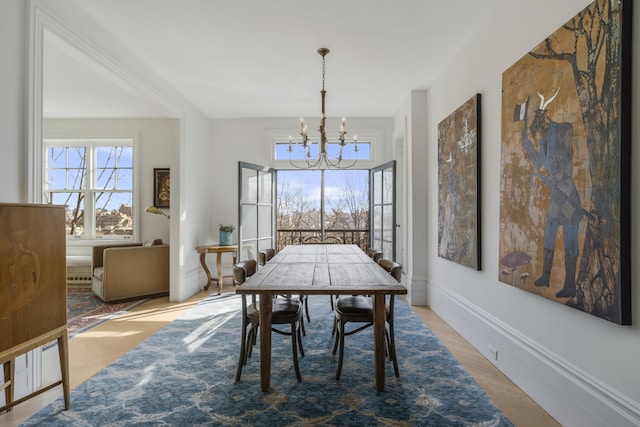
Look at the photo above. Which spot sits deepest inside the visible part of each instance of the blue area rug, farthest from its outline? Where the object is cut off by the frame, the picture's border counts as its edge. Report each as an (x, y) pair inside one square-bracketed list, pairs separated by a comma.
[(185, 375)]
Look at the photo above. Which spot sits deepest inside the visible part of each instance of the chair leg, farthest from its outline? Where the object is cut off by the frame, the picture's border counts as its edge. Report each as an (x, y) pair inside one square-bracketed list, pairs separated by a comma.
[(304, 332), (300, 341), (243, 355), (251, 341), (336, 333), (306, 308), (294, 345), (341, 355), (392, 350)]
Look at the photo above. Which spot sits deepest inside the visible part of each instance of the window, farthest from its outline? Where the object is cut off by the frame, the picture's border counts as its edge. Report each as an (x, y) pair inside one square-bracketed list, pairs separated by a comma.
[(295, 151), (94, 180), (323, 206)]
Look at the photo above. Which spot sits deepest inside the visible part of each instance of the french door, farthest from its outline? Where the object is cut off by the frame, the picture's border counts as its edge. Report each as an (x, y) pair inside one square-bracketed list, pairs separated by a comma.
[(382, 209), (257, 196), (257, 209)]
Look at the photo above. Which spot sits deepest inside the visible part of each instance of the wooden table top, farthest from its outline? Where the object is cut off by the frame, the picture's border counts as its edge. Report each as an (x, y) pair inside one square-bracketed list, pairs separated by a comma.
[(321, 269), (216, 248)]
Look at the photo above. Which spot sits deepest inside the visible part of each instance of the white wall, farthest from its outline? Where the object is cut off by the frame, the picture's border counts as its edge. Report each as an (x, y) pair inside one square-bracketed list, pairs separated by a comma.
[(13, 71), (157, 148), (581, 369)]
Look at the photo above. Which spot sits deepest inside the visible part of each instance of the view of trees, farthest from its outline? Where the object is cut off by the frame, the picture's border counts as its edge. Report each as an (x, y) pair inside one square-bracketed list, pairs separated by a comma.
[(316, 203)]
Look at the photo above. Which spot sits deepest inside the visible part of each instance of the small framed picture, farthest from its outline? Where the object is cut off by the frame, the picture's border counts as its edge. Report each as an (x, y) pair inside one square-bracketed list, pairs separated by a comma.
[(161, 187)]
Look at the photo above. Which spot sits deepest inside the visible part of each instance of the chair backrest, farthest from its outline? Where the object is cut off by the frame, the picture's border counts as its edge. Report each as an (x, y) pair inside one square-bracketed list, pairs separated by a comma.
[(265, 255), (375, 254), (242, 270), (394, 268)]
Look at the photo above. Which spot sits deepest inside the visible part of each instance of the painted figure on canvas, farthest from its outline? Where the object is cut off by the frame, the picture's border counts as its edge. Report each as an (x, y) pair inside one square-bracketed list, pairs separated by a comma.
[(553, 163)]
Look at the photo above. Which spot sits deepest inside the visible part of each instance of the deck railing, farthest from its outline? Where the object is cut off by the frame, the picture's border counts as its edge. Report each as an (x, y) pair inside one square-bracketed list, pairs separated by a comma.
[(297, 236)]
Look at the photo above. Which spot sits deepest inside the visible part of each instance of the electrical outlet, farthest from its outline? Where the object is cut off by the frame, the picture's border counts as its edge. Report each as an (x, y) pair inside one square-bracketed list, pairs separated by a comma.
[(493, 352)]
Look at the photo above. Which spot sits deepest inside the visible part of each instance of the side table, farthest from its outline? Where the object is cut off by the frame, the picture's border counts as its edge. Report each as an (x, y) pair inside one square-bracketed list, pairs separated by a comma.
[(218, 250)]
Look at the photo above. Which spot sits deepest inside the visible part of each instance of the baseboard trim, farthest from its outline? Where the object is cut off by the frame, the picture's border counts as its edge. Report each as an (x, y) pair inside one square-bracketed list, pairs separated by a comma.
[(568, 393)]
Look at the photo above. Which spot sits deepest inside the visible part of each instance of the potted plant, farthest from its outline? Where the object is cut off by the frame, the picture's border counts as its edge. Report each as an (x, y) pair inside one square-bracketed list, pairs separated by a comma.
[(226, 234)]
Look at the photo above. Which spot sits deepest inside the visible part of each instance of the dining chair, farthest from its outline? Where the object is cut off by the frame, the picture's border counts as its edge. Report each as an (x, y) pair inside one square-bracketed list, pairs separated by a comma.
[(284, 311), (359, 309), (265, 256)]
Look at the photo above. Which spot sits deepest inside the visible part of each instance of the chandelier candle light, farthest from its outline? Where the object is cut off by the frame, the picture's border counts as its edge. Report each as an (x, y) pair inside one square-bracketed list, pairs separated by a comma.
[(323, 159)]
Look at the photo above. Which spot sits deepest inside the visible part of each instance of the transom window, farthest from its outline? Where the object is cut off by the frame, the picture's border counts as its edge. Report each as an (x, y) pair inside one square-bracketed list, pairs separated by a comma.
[(94, 180), (333, 148)]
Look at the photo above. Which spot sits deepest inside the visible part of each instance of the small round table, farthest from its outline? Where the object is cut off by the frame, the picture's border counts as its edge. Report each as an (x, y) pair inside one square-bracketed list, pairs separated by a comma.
[(219, 250)]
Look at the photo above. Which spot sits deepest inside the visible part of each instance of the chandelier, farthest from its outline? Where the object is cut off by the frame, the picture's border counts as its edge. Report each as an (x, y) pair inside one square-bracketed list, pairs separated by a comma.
[(322, 159)]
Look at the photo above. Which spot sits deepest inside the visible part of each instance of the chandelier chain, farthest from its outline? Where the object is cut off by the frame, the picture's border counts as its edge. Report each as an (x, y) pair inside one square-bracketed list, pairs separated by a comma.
[(323, 70)]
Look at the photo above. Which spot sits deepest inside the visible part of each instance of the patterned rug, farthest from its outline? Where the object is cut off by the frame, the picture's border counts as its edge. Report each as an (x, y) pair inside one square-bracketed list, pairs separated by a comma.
[(185, 375), (85, 310)]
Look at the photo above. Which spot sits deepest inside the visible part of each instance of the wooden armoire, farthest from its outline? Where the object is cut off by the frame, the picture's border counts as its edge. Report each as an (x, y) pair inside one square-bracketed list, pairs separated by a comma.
[(33, 303)]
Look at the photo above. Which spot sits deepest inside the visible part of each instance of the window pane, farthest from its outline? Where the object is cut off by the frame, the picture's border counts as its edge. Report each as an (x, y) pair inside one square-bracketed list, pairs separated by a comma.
[(264, 192), (350, 151), (113, 164), (105, 179), (74, 210), (376, 225), (56, 179), (346, 199), (387, 226), (377, 185), (264, 227), (387, 186), (248, 250), (249, 222), (249, 186), (105, 157), (125, 179), (77, 157), (114, 213), (299, 199)]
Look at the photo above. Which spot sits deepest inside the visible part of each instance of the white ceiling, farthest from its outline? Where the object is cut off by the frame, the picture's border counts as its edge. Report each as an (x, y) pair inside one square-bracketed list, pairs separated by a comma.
[(257, 58)]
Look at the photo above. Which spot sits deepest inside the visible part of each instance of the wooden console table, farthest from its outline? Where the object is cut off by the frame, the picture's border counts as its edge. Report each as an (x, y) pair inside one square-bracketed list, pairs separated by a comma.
[(218, 250)]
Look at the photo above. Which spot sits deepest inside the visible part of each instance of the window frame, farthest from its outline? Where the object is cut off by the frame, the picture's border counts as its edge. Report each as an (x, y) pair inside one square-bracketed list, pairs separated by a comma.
[(92, 142)]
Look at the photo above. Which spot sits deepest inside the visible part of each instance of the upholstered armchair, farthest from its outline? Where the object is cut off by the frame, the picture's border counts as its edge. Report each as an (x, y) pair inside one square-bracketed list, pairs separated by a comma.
[(130, 270)]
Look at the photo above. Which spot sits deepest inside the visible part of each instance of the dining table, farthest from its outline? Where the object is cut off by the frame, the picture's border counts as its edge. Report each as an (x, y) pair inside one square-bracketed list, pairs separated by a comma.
[(322, 269)]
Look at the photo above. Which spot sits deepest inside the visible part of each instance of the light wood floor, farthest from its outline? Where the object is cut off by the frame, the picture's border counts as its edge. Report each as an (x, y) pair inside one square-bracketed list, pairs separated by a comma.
[(102, 345)]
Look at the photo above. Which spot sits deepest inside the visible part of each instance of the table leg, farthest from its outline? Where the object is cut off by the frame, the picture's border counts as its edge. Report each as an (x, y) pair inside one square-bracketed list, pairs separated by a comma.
[(265, 341), (378, 338), (206, 270), (219, 266)]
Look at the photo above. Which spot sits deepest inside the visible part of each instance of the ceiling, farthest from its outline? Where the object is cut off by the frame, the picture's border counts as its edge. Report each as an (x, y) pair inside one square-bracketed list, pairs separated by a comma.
[(256, 58)]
